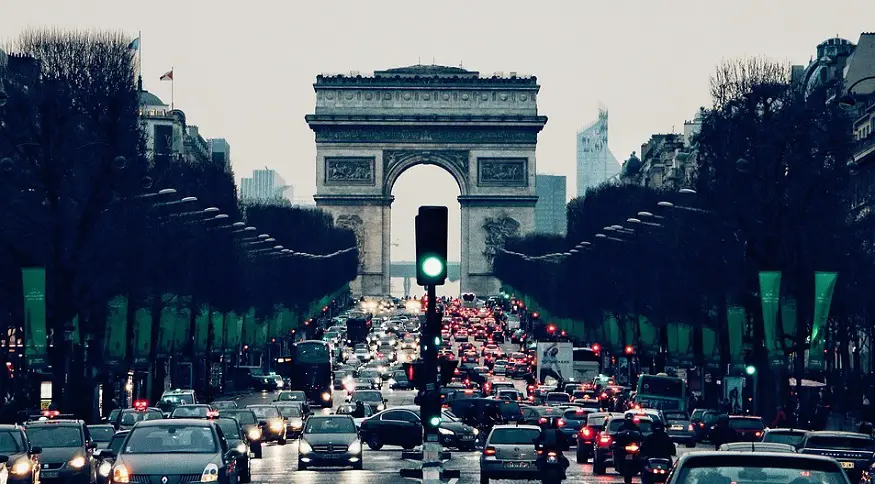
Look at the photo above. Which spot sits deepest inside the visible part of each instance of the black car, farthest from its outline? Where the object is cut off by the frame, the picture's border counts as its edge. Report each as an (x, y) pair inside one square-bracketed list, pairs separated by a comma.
[(193, 411), (402, 426), (126, 418), (372, 398), (294, 417), (101, 434), (586, 437), (330, 440), (22, 458), (188, 450), (510, 411), (399, 381), (104, 457), (67, 450), (249, 422), (236, 437), (702, 420), (604, 442), (853, 451), (273, 426)]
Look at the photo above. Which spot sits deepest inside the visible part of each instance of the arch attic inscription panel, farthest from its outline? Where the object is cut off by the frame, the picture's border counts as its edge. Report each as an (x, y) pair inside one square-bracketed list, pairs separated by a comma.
[(482, 130)]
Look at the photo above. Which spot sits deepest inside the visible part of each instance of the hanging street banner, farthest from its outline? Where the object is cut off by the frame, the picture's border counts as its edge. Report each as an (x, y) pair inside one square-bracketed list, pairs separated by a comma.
[(182, 324), (824, 283), (142, 337), (218, 343), (788, 320), (612, 332), (736, 318), (166, 327), (680, 339), (648, 335), (115, 341), (33, 281), (770, 289), (201, 328), (710, 347)]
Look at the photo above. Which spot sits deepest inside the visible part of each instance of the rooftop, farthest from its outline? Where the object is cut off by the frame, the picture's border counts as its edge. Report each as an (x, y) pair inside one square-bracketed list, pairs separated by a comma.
[(425, 74)]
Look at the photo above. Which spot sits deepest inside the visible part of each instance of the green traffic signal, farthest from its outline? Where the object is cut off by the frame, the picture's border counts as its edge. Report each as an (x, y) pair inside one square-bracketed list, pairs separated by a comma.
[(437, 341), (432, 266), (750, 369), (434, 421)]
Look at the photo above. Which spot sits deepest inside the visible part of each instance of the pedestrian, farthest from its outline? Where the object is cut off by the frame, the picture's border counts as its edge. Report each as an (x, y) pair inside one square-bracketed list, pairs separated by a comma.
[(781, 419)]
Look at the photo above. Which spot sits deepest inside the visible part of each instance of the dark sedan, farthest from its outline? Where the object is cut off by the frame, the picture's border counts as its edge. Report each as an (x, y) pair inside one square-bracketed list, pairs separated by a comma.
[(106, 456), (748, 429), (372, 398), (236, 438), (572, 421), (22, 459), (250, 424), (184, 450), (273, 426), (66, 450), (192, 411), (853, 451), (330, 440), (402, 426), (101, 434)]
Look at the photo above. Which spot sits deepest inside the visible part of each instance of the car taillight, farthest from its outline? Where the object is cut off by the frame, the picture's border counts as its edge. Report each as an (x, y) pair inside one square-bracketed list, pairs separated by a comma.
[(542, 420), (604, 439), (586, 432), (690, 428), (489, 451), (561, 423), (632, 448), (701, 425), (759, 434)]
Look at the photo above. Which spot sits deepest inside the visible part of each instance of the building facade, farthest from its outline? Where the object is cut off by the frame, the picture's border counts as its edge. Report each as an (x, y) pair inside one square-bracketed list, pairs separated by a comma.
[(220, 152), (550, 214), (595, 162), (168, 136), (667, 160), (265, 186)]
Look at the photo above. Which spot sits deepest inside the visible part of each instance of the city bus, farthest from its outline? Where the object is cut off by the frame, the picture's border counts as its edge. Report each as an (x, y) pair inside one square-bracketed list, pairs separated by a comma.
[(663, 392), (310, 372), (586, 364)]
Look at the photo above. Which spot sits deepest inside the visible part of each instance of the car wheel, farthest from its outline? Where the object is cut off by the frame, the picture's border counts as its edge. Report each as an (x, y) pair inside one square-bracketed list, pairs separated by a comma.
[(302, 466), (281, 441), (246, 476), (256, 451), (598, 468), (466, 447), (581, 457), (358, 466), (691, 444), (374, 443), (484, 479)]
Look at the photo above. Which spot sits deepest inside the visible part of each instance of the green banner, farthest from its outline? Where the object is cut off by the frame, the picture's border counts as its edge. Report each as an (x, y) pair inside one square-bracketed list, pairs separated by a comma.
[(680, 339), (736, 318), (290, 321), (262, 329), (218, 343), (166, 328), (612, 333), (233, 327), (648, 335), (788, 320), (249, 329), (182, 325), (710, 346), (201, 329), (824, 283), (33, 280), (115, 342), (142, 336), (770, 292), (630, 330)]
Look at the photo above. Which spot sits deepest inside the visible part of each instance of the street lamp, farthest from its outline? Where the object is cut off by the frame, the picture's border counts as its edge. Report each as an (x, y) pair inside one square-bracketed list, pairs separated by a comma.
[(188, 199), (238, 225), (687, 191), (665, 204), (211, 210), (586, 244), (264, 236), (167, 191), (847, 102), (601, 236), (633, 220)]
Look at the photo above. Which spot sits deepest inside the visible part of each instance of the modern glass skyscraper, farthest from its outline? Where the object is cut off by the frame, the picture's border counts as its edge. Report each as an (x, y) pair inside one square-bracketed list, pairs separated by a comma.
[(264, 185), (595, 162), (550, 213)]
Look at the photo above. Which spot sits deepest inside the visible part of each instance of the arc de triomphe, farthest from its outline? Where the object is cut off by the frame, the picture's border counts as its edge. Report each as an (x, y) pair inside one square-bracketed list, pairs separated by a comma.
[(482, 130)]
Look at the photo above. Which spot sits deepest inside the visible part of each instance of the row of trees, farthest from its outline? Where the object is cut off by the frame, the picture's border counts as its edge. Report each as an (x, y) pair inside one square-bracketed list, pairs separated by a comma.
[(771, 193), (82, 197)]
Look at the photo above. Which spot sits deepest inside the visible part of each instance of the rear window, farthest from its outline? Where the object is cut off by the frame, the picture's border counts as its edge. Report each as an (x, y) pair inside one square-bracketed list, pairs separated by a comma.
[(644, 425), (513, 436), (575, 414), (759, 468), (596, 421), (676, 416), (509, 408), (558, 397), (789, 438), (265, 412), (840, 443), (245, 418), (746, 424)]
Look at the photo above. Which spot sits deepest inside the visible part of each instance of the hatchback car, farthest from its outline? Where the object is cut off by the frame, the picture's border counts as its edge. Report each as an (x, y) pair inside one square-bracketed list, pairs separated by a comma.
[(236, 437), (184, 450), (294, 418), (22, 465), (679, 428), (330, 440), (753, 467), (101, 434), (748, 429), (105, 457), (509, 453), (250, 424), (572, 420), (603, 446), (273, 426)]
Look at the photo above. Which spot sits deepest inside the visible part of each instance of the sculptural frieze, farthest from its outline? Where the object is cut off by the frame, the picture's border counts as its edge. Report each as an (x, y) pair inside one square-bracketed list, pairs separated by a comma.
[(349, 170), (502, 172), (498, 230), (356, 224), (457, 159)]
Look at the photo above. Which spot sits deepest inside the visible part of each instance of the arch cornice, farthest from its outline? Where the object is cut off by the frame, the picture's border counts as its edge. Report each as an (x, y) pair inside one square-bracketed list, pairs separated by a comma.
[(396, 162)]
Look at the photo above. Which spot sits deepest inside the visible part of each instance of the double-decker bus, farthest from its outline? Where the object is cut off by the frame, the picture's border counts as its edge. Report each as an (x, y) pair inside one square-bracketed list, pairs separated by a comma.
[(310, 372), (668, 393), (586, 364)]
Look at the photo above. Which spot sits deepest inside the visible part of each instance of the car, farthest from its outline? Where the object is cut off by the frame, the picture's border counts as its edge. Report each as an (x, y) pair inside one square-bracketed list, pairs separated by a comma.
[(398, 381), (371, 375), (653, 413), (679, 428), (330, 440), (853, 451), (296, 396), (104, 461), (101, 434), (193, 411), (756, 447), (67, 450), (509, 453), (371, 398), (126, 418), (755, 467), (556, 399), (511, 395), (250, 424), (340, 378), (572, 420), (702, 420), (224, 404), (586, 437), (156, 449), (402, 426), (273, 426), (363, 354), (236, 437), (603, 446), (294, 417), (349, 409), (784, 436), (171, 399), (22, 465), (510, 410), (748, 429)]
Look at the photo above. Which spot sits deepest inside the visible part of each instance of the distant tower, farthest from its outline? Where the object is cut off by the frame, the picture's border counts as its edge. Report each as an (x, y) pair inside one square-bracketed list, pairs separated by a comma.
[(595, 162)]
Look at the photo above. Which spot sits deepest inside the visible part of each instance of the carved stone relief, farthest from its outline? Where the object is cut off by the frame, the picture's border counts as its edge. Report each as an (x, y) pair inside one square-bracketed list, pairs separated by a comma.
[(349, 170), (502, 172), (498, 230), (457, 159), (355, 223)]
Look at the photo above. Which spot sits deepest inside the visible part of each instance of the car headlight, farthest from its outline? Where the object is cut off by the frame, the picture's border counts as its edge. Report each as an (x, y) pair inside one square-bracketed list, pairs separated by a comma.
[(476, 431), (304, 447), (381, 407), (104, 469), (444, 431), (326, 396), (355, 448), (241, 447), (21, 468), (121, 474), (77, 462), (254, 434), (276, 425), (211, 473), (296, 423)]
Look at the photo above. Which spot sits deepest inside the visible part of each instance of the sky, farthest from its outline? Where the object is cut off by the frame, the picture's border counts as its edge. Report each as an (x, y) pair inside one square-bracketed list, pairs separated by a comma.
[(244, 70)]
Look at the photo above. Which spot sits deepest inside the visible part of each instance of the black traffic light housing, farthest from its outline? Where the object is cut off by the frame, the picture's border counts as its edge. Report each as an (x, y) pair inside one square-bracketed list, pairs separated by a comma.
[(448, 369), (414, 372), (431, 246)]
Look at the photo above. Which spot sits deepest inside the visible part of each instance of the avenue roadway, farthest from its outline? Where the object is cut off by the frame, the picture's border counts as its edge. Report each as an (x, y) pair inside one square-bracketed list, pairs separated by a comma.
[(280, 463)]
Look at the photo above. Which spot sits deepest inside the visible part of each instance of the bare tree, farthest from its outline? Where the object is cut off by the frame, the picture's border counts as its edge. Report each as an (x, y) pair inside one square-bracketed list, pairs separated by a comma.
[(733, 79)]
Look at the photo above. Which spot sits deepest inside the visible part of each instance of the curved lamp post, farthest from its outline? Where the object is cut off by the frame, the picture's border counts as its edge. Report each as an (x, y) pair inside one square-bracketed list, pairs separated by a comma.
[(847, 102)]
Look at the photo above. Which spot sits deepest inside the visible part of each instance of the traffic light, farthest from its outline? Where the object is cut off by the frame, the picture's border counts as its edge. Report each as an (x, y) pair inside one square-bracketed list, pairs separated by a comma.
[(630, 349), (414, 372), (448, 369), (596, 348), (431, 246), (431, 410), (750, 370)]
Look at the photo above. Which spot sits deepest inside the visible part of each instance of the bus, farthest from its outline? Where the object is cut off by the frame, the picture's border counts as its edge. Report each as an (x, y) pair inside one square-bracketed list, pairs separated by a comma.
[(357, 327), (310, 372), (663, 392), (586, 364)]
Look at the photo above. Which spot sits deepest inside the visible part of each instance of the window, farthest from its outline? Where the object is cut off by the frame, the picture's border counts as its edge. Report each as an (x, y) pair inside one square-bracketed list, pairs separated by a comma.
[(290, 411), (171, 439), (312, 353), (265, 412), (229, 427), (245, 418), (330, 425), (511, 436), (99, 434), (840, 443), (11, 443), (48, 436)]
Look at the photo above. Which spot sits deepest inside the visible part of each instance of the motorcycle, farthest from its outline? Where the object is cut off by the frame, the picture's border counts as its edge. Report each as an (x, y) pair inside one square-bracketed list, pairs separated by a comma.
[(627, 454), (655, 471), (552, 469)]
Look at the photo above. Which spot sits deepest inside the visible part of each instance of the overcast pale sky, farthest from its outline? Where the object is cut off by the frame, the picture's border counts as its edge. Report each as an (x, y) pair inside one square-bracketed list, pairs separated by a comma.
[(244, 69)]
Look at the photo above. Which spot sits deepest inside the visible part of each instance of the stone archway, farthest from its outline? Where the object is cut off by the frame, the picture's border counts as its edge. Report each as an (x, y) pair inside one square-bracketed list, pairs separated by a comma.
[(483, 131)]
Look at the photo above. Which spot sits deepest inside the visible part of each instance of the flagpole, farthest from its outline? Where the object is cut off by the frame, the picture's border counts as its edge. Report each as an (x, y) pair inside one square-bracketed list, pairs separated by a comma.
[(140, 51), (172, 89)]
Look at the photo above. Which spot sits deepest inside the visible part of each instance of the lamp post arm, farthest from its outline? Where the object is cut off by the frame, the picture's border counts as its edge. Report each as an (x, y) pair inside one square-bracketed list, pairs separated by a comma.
[(858, 81)]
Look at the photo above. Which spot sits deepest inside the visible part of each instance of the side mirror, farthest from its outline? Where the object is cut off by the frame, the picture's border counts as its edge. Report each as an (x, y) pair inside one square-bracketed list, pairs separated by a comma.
[(36, 450), (262, 423), (4, 459), (233, 454), (92, 445), (107, 454)]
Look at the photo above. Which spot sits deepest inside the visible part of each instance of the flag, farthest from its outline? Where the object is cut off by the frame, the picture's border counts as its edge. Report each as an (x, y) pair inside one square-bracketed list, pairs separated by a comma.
[(135, 44), (168, 76)]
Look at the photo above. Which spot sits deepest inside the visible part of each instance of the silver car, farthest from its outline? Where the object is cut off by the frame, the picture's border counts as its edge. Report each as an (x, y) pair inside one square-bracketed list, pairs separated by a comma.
[(509, 453), (679, 428)]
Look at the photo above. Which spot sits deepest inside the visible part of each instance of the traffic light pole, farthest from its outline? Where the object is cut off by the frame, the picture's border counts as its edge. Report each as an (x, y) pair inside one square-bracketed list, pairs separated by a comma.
[(431, 447)]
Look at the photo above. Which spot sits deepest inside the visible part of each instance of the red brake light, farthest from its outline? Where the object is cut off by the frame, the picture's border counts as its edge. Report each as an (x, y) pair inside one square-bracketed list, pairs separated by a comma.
[(604, 439), (212, 413), (586, 432), (759, 434), (604, 395), (562, 423), (632, 448), (701, 425), (140, 404), (542, 420), (489, 451)]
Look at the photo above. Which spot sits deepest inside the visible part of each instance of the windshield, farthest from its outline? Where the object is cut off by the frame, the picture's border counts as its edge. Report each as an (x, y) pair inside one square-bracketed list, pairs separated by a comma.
[(644, 425), (367, 397), (101, 434), (512, 436), (181, 399), (48, 436), (186, 411), (171, 439), (793, 439), (245, 418), (662, 386), (840, 443), (329, 425), (265, 412), (290, 411), (675, 416), (115, 444), (132, 417), (769, 472), (366, 374), (312, 353), (229, 427), (292, 397), (11, 442), (746, 424)]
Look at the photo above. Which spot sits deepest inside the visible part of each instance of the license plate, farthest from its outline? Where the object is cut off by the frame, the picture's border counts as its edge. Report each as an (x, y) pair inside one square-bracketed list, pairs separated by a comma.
[(677, 427), (48, 474), (630, 456), (467, 437), (516, 465), (847, 465)]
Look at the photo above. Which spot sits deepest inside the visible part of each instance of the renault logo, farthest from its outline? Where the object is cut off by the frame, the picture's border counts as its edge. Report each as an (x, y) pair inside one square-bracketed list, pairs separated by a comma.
[(164, 480)]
